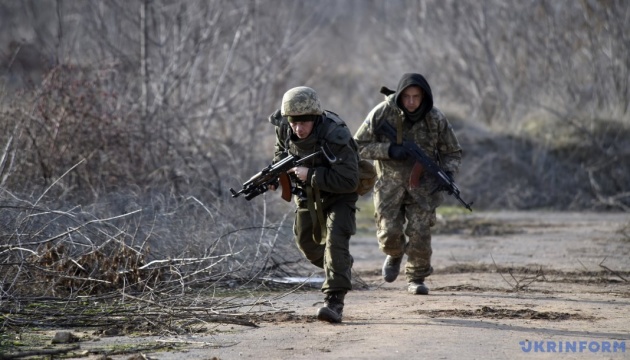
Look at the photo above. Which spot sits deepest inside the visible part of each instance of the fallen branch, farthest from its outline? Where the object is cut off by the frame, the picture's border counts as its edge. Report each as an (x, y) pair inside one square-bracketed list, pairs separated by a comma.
[(71, 230), (518, 285), (50, 352), (137, 349), (202, 343), (612, 271)]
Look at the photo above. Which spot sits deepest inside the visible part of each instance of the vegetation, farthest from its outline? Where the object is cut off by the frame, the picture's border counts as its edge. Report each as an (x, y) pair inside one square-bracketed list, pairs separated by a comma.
[(124, 124)]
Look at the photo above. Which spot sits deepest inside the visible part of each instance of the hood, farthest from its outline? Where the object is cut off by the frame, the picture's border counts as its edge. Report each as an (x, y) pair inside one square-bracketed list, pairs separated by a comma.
[(413, 79), (276, 118)]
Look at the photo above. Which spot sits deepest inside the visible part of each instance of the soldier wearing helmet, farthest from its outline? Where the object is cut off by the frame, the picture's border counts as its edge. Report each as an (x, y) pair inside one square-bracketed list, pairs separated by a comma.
[(325, 215), (404, 199)]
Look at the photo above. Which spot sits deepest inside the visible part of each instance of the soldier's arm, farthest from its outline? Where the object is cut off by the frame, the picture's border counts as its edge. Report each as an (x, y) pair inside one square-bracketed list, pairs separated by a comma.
[(369, 145), (342, 176)]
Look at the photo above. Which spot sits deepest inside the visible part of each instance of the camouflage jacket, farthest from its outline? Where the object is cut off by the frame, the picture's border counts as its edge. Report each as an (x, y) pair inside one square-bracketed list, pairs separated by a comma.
[(338, 178), (433, 134)]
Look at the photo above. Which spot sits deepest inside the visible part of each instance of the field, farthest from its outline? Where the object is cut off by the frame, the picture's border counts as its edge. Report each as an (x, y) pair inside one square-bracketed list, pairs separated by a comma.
[(505, 283)]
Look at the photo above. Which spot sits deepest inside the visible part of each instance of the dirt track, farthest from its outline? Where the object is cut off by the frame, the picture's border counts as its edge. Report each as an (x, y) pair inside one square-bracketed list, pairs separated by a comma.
[(503, 282)]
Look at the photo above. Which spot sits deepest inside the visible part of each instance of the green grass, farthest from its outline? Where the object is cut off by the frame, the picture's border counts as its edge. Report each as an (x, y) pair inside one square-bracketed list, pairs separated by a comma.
[(365, 216), (447, 211)]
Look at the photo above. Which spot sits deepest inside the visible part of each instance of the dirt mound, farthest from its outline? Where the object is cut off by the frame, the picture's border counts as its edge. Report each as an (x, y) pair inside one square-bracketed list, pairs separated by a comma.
[(497, 313), (549, 165)]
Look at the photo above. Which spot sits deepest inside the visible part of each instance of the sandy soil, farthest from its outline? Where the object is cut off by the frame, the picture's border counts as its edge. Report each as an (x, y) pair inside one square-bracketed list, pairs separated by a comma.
[(504, 282)]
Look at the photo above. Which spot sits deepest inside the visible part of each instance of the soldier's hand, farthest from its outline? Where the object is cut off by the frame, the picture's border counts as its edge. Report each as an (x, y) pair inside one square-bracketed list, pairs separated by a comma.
[(445, 188), (273, 185), (300, 172), (397, 152)]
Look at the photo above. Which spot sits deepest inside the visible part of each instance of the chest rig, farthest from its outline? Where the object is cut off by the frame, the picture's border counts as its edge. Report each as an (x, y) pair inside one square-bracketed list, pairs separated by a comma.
[(324, 132)]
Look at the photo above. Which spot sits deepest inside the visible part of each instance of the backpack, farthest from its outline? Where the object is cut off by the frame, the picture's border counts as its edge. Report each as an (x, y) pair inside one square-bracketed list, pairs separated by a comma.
[(367, 171), (367, 176)]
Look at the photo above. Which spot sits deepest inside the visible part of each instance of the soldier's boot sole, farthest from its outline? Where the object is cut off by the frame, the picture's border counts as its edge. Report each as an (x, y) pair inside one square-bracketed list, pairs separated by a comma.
[(391, 268)]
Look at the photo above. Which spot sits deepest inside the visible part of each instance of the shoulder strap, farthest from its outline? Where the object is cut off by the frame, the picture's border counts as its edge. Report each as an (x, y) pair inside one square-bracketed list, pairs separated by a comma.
[(334, 117), (329, 129)]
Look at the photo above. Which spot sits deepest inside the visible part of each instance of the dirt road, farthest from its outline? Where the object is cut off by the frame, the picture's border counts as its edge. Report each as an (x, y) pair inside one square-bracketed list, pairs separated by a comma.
[(511, 285)]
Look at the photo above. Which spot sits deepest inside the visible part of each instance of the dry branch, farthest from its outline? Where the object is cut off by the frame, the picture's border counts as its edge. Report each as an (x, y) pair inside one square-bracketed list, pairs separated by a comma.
[(523, 282), (45, 352), (601, 264)]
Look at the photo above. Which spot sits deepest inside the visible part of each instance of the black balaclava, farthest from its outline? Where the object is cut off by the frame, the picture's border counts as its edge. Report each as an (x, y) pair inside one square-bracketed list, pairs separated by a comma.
[(411, 79)]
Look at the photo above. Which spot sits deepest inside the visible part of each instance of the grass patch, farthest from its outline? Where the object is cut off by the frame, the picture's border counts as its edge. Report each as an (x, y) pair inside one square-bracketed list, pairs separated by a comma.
[(365, 216), (448, 211)]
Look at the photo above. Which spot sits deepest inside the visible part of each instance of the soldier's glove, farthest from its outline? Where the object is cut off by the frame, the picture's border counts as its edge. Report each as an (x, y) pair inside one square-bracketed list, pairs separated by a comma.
[(397, 152), (440, 188), (275, 183)]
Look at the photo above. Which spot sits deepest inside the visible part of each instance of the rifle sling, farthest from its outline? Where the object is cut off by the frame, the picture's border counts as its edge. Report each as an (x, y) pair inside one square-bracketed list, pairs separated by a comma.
[(399, 130), (317, 216)]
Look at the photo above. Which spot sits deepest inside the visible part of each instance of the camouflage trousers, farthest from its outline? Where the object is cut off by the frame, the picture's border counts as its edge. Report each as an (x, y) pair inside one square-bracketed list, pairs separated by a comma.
[(404, 227), (332, 254)]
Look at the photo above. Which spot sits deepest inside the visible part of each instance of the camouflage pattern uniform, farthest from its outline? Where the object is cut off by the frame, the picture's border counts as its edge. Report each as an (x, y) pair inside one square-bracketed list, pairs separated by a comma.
[(336, 185), (396, 200)]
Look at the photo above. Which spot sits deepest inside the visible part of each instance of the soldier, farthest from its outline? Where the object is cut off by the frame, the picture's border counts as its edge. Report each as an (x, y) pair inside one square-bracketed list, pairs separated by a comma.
[(404, 205), (325, 215)]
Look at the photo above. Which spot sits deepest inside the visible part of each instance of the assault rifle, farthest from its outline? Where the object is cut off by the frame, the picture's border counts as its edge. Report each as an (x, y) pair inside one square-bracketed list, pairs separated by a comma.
[(276, 174), (445, 182)]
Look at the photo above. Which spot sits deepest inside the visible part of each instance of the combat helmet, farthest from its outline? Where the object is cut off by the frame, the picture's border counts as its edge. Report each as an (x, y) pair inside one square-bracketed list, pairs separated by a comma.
[(301, 100)]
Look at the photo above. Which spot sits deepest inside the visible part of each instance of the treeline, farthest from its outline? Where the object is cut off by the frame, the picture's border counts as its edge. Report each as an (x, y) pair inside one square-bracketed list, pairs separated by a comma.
[(170, 96)]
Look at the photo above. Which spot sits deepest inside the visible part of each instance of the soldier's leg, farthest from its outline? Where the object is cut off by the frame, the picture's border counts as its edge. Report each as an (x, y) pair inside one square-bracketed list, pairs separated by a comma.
[(303, 232), (390, 219), (419, 249), (341, 225)]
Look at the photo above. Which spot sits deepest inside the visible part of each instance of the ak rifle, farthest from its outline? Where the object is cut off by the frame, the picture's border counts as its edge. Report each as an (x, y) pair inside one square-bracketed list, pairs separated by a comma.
[(445, 182), (276, 175)]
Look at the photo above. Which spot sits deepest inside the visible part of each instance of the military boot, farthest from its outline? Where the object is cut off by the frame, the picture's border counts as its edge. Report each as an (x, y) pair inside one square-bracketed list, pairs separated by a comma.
[(417, 287), (333, 307), (391, 268)]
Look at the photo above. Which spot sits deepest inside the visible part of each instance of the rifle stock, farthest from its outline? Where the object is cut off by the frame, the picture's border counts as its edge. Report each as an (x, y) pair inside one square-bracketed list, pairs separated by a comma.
[(416, 173), (285, 184), (445, 182)]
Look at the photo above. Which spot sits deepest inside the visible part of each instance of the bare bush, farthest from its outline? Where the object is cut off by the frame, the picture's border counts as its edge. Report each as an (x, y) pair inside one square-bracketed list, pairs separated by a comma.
[(159, 248), (71, 118), (149, 156)]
